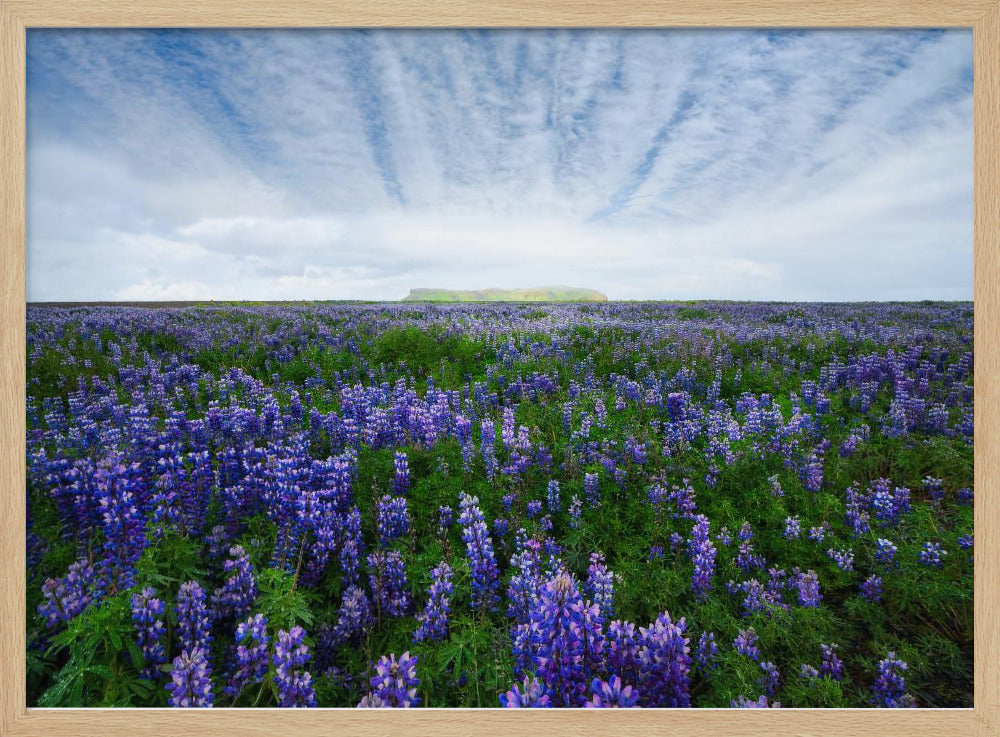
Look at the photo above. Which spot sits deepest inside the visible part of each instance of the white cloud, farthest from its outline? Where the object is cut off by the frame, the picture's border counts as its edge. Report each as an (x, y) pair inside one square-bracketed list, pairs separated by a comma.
[(346, 164)]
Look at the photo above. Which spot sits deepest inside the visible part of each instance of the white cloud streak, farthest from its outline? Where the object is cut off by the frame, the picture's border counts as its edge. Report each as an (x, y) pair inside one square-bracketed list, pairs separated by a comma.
[(649, 164)]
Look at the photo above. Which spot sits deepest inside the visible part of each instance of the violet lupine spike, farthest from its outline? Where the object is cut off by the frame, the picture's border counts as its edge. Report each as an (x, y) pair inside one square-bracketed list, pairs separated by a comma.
[(526, 580), (294, 683), (390, 588), (808, 587), (401, 483), (665, 660), (611, 694), (354, 615), (393, 519), (746, 644), (147, 615), (434, 619), (191, 680), (702, 553), (831, 665), (770, 679), (252, 655), (889, 689), (575, 512), (395, 683), (885, 551), (932, 554), (621, 646), (528, 695), (564, 640), (600, 585), (706, 652), (66, 597), (871, 589), (479, 550), (193, 625), (351, 548), (236, 596), (552, 496), (761, 703)]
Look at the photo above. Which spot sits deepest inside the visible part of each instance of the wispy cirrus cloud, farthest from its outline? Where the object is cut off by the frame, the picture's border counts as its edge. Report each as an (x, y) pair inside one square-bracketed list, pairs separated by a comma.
[(359, 164)]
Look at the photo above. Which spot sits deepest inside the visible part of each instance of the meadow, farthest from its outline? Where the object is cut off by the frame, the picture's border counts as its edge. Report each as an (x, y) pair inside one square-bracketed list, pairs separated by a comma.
[(646, 504)]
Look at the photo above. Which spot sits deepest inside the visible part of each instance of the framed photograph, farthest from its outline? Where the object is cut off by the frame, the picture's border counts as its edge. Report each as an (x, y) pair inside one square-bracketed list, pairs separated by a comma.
[(469, 369)]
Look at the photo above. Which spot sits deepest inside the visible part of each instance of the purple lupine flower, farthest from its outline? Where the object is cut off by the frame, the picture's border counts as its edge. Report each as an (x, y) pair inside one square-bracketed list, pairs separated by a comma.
[(434, 619), (446, 517), (552, 496), (479, 549), (395, 682), (885, 551), (761, 703), (966, 542), (488, 448), (818, 533), (591, 489), (933, 554), (191, 680), (890, 685), (565, 641), (526, 580), (702, 554), (871, 589), (193, 625), (534, 508), (770, 679), (724, 537), (611, 694), (147, 615), (857, 517), (351, 548), (529, 695), (295, 689), (746, 644), (704, 655), (401, 483), (831, 665), (746, 559), (843, 558), (600, 585), (808, 587), (776, 490), (575, 512), (792, 528), (387, 576), (353, 616), (934, 488), (622, 648), (808, 671), (68, 596), (655, 552), (393, 519), (665, 660), (236, 596), (252, 643)]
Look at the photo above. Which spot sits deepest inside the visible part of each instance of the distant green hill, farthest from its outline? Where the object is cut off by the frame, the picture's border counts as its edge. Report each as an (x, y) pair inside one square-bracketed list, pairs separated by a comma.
[(529, 294)]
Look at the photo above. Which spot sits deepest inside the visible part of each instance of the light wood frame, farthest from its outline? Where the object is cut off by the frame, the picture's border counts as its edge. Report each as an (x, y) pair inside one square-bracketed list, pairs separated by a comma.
[(18, 15)]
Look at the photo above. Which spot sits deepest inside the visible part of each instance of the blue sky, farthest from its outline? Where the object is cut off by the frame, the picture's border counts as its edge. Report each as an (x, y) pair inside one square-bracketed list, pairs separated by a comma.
[(356, 164)]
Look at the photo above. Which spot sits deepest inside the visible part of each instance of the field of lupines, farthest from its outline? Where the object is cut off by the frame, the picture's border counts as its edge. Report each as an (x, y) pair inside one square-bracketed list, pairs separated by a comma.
[(544, 505)]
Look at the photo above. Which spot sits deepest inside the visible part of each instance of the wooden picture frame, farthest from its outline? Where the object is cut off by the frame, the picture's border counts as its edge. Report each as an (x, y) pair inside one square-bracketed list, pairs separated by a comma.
[(18, 15)]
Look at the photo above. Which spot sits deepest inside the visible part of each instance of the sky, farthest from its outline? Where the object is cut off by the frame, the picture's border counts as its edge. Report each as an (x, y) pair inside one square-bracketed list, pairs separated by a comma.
[(358, 164)]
